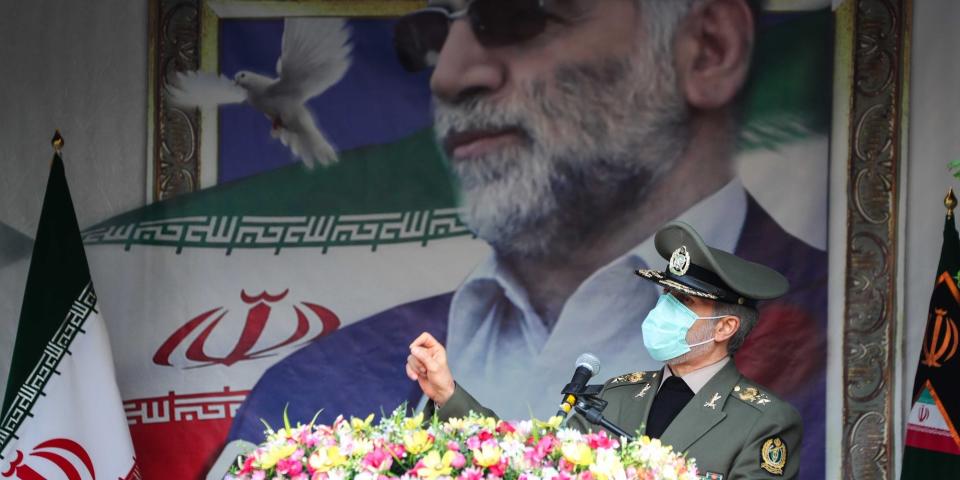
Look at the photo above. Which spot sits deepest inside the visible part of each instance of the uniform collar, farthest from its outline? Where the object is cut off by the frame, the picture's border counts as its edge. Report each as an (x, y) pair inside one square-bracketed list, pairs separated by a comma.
[(699, 377)]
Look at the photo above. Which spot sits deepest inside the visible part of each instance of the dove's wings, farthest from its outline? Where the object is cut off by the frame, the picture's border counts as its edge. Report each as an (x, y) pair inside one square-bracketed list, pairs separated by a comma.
[(314, 56), (305, 140), (201, 89)]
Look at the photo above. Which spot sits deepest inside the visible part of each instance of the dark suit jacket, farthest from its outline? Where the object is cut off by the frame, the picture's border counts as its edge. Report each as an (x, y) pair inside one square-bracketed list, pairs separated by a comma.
[(360, 369)]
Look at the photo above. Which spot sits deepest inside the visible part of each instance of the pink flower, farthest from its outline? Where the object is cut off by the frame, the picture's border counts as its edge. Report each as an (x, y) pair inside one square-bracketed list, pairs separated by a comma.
[(258, 475), (454, 446), (601, 440), (588, 475), (546, 445), (458, 460), (505, 427), (499, 469), (397, 449), (473, 443), (289, 466), (378, 459), (247, 465), (471, 473)]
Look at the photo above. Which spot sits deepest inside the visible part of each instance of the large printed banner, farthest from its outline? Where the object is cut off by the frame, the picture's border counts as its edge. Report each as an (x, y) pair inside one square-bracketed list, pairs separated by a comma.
[(302, 286)]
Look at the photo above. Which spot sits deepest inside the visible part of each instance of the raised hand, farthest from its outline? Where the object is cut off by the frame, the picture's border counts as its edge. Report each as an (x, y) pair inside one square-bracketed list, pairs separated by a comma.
[(427, 364)]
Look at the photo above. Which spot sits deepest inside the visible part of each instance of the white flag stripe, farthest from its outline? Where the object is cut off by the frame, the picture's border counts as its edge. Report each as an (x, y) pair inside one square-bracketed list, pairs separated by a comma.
[(352, 282), (79, 413)]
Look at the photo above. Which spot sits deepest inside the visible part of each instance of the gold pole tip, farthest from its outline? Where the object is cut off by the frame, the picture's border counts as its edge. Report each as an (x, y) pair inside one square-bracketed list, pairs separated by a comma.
[(57, 141), (950, 201)]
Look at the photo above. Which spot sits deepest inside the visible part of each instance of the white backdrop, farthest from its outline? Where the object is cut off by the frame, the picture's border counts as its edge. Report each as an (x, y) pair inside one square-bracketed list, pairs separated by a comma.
[(80, 67)]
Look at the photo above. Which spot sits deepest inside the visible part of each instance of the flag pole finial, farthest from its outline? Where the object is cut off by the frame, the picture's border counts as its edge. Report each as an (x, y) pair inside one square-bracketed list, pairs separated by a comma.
[(57, 141), (950, 201)]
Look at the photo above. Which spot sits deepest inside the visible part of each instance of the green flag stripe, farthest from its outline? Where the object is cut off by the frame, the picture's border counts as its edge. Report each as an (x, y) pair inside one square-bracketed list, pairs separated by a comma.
[(58, 274), (51, 354), (277, 233)]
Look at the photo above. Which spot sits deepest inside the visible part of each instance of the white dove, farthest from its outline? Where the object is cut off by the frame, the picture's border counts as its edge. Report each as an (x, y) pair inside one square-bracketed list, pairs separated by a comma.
[(314, 56)]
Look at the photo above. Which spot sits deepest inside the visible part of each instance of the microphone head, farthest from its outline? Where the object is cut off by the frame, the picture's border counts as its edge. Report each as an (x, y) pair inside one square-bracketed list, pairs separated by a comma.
[(589, 361)]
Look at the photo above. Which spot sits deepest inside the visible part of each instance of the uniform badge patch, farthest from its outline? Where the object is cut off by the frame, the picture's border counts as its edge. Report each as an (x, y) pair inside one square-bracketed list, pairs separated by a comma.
[(680, 261), (711, 476), (773, 455)]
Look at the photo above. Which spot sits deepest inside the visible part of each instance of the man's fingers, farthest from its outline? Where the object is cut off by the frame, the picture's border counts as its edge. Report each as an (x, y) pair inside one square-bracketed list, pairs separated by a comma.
[(412, 374), (416, 365), (425, 340), (425, 358)]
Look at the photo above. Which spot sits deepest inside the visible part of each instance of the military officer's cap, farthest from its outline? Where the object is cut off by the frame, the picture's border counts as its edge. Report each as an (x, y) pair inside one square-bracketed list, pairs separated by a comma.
[(698, 269)]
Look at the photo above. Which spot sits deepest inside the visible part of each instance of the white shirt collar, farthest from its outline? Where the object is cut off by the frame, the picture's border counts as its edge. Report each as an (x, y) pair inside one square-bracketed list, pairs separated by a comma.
[(699, 377)]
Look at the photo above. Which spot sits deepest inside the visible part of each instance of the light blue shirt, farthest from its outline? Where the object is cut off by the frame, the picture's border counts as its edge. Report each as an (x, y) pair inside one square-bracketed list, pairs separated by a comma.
[(501, 351)]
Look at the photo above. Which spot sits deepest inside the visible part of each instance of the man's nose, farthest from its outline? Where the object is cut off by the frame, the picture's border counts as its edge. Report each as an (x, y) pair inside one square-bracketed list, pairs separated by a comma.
[(465, 68)]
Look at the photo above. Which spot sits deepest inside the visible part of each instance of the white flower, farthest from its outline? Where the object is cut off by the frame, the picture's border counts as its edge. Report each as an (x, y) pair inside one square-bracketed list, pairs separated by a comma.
[(524, 428), (567, 435), (549, 473)]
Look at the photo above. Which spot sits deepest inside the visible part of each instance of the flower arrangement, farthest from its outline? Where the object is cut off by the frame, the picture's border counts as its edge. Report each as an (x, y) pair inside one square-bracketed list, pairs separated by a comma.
[(471, 448)]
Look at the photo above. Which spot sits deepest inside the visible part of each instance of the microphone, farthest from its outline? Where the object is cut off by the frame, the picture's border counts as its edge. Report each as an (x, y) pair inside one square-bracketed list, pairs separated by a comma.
[(587, 366)]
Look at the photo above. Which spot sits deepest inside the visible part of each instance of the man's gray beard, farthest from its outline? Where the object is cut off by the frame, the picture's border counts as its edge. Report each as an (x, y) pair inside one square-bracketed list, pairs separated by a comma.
[(597, 138)]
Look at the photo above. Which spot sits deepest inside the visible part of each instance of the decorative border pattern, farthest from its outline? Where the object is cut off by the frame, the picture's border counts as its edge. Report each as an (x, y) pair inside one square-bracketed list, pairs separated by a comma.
[(249, 232), (184, 408), (880, 61), (53, 354), (175, 133)]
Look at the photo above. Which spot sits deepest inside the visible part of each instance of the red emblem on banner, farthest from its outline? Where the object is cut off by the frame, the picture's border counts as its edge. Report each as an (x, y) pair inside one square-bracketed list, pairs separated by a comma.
[(307, 318), (64, 453)]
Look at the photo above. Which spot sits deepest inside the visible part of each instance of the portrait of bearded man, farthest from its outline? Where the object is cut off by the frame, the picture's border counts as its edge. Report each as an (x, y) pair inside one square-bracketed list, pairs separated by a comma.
[(570, 148)]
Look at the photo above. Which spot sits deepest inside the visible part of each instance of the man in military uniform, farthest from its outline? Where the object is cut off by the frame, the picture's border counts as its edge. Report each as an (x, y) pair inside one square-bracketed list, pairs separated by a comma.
[(699, 402)]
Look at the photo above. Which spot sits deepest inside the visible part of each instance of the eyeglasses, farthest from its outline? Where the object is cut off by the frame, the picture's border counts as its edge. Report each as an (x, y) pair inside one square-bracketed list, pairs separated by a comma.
[(419, 36)]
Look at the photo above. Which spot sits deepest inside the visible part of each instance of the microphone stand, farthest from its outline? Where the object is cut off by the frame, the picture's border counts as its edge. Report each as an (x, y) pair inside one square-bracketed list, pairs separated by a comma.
[(590, 406)]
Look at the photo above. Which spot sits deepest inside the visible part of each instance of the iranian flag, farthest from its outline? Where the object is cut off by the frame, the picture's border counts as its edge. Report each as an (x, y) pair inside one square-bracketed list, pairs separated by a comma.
[(62, 414), (932, 444)]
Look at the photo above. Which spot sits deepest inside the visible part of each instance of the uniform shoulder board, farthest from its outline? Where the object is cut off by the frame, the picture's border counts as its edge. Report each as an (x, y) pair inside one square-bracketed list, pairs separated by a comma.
[(632, 378), (752, 395)]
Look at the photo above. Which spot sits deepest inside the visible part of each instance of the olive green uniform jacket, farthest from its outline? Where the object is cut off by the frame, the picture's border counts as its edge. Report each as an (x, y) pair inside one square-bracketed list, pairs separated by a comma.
[(732, 427)]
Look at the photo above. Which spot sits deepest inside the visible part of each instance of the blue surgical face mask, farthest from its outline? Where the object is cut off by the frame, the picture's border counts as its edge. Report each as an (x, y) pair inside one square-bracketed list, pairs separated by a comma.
[(665, 329)]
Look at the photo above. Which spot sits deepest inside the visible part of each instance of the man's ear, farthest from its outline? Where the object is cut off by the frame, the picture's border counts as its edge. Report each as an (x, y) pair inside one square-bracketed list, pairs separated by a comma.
[(726, 327), (714, 45)]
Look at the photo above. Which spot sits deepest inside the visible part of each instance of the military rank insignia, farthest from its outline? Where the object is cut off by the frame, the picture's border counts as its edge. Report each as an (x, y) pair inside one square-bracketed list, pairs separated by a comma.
[(711, 476), (629, 378), (773, 455)]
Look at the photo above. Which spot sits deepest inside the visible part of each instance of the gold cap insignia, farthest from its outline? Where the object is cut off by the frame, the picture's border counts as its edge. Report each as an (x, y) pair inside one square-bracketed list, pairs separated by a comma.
[(680, 261), (773, 455)]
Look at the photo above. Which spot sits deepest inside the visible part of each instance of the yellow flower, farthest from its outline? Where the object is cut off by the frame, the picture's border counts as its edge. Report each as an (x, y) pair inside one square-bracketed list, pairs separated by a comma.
[(359, 425), (417, 442), (434, 466), (456, 424), (553, 423), (413, 423), (326, 458), (577, 453), (487, 455), (275, 454)]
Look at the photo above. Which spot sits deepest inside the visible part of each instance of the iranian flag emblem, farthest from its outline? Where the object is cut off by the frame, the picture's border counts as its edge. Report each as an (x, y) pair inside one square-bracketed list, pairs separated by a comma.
[(62, 414)]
